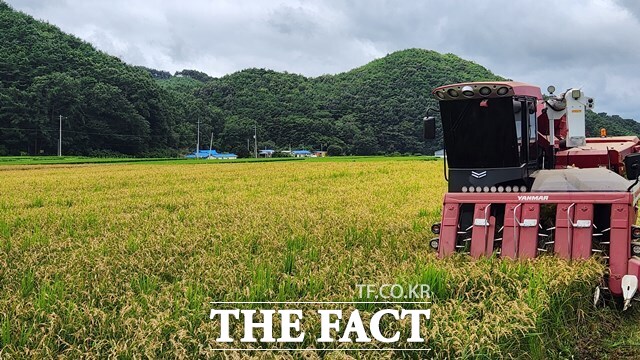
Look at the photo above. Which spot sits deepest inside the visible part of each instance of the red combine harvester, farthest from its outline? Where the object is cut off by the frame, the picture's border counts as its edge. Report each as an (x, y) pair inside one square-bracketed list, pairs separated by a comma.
[(525, 180)]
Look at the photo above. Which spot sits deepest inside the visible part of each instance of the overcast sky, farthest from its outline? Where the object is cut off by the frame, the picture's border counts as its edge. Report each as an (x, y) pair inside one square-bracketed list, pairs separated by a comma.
[(593, 44)]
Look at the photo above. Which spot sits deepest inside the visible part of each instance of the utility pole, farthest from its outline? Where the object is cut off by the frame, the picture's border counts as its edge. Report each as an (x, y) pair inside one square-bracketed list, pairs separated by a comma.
[(198, 142), (255, 139), (211, 144), (60, 138)]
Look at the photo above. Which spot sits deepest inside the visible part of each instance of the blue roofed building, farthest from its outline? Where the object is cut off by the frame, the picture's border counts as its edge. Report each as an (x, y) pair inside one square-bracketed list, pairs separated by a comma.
[(211, 154), (267, 153), (301, 153)]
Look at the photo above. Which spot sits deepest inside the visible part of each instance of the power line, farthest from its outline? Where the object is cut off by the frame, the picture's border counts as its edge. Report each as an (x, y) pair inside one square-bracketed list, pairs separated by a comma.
[(71, 131)]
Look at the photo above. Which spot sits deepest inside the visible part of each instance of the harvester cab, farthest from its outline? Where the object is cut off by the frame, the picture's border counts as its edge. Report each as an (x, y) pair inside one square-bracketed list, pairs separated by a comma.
[(490, 136), (525, 180)]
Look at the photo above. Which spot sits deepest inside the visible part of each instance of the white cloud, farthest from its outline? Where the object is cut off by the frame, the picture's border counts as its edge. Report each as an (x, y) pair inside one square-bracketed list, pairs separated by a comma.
[(594, 43)]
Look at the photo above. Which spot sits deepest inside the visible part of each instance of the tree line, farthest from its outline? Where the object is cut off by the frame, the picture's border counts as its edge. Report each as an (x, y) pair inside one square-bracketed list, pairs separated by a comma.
[(107, 107)]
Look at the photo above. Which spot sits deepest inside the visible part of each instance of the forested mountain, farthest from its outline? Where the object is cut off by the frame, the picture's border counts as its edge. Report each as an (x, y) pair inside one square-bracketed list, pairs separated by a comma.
[(614, 124), (376, 108), (109, 107), (105, 104)]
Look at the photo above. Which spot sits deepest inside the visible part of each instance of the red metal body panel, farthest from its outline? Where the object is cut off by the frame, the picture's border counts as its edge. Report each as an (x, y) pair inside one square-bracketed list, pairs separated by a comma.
[(620, 248), (634, 267), (449, 229), (490, 236), (563, 235), (541, 198), (619, 142), (587, 158), (481, 233), (582, 236), (606, 152), (573, 237), (528, 246), (510, 233)]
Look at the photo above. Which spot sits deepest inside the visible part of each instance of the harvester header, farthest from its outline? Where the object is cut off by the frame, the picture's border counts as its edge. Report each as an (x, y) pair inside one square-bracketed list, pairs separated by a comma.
[(525, 180)]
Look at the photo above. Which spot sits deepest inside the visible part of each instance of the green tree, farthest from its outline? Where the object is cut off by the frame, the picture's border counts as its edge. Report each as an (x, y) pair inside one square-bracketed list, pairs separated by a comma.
[(334, 150)]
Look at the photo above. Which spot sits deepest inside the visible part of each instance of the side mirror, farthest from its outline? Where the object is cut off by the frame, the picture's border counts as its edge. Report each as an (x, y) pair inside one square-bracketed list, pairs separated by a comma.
[(429, 131), (632, 165), (517, 106)]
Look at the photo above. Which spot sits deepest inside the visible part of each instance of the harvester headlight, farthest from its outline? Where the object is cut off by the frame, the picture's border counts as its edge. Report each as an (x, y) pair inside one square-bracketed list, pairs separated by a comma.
[(575, 93), (635, 232), (485, 189), (472, 189), (493, 189), (435, 228), (440, 95), (635, 250), (478, 189), (500, 188), (523, 188), (467, 91), (502, 90), (434, 243), (453, 92), (485, 90), (464, 189)]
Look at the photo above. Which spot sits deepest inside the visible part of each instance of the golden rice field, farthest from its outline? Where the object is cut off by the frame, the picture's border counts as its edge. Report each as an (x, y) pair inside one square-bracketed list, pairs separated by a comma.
[(122, 260)]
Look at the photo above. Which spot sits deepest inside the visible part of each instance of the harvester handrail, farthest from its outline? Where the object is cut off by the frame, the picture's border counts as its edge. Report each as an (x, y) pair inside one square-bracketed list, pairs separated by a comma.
[(486, 219), (569, 215), (516, 239), (570, 233)]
